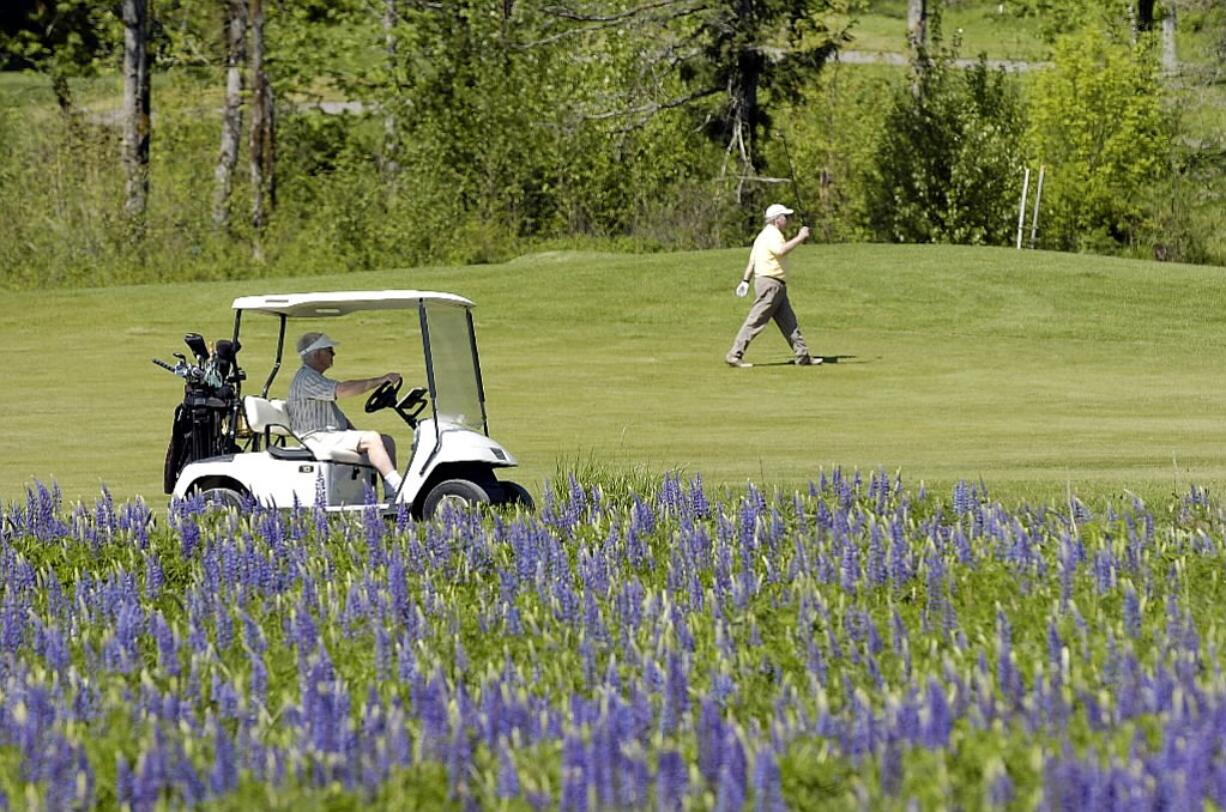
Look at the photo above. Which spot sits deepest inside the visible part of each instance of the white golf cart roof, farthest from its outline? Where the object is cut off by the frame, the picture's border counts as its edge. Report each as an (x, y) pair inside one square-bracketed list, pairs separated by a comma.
[(343, 302)]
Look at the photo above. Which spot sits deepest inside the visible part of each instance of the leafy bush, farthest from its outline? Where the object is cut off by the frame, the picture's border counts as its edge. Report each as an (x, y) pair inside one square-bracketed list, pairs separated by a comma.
[(949, 153), (1098, 124)]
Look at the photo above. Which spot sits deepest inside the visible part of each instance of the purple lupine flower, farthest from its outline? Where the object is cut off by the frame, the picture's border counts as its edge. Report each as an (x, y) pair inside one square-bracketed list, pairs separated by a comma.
[(168, 651), (710, 735), (1000, 790), (767, 783), (55, 650), (508, 776), (676, 694), (259, 678), (891, 767), (900, 559), (1007, 676), (936, 722), (153, 575), (699, 504), (574, 774), (223, 775), (730, 790), (964, 498), (1132, 612), (672, 781), (849, 567), (1055, 645), (876, 570)]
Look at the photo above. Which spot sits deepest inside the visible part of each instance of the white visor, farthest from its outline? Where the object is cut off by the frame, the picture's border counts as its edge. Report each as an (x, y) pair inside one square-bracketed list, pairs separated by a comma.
[(321, 343)]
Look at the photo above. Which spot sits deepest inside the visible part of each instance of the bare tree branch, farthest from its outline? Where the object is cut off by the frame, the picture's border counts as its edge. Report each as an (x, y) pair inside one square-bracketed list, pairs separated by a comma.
[(565, 13), (654, 107)]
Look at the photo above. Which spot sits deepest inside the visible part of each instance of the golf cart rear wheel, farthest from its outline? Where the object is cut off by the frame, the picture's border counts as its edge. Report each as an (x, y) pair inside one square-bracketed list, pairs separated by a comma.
[(223, 498), (516, 495), (458, 492)]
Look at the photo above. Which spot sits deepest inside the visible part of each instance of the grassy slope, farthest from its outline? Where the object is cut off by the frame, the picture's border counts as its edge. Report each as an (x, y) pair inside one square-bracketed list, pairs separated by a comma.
[(1033, 371)]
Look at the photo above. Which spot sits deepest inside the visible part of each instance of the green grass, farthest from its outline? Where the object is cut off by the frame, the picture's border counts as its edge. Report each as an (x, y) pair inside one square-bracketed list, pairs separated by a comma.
[(980, 25), (1035, 372)]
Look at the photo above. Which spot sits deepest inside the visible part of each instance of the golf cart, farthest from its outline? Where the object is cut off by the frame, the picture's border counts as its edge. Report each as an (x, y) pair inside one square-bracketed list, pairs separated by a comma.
[(227, 446)]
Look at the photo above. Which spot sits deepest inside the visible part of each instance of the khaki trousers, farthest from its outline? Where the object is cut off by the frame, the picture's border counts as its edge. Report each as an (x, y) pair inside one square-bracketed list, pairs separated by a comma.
[(771, 302)]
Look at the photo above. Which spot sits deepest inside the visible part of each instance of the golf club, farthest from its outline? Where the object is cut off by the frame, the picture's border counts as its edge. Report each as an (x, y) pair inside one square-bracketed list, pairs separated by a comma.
[(799, 205)]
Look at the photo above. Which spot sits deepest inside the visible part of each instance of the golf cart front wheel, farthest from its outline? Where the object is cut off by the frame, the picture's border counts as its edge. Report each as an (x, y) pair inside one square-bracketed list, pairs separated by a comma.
[(459, 492), (223, 498), (516, 495)]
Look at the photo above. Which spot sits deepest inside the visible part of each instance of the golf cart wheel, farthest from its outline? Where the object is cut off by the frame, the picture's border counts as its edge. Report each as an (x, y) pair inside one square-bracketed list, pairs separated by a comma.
[(224, 498), (458, 492), (516, 495)]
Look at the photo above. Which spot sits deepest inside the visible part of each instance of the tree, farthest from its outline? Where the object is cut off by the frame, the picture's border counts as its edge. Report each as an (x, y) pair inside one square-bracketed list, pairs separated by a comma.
[(733, 59), (917, 24), (136, 108), (1098, 124), (232, 110), (60, 38), (263, 132), (948, 155)]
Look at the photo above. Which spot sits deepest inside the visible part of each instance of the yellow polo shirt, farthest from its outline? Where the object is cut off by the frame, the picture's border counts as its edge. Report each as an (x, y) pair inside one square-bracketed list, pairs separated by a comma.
[(767, 253)]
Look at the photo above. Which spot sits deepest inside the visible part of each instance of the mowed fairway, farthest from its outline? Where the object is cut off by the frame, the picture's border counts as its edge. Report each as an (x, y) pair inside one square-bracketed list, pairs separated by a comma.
[(1035, 372)]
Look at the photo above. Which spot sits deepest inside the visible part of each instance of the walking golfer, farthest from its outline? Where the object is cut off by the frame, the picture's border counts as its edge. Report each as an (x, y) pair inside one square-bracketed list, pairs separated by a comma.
[(766, 268), (323, 427)]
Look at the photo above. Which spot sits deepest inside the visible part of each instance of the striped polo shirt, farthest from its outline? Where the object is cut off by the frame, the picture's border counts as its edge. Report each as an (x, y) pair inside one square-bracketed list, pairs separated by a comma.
[(312, 404)]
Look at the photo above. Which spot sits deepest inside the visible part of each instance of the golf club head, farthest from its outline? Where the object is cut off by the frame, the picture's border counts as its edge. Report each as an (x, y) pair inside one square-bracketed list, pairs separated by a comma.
[(195, 343), (223, 355)]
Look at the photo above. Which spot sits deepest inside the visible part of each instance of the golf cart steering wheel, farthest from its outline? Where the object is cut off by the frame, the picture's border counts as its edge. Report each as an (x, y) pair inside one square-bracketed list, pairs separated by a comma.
[(385, 395)]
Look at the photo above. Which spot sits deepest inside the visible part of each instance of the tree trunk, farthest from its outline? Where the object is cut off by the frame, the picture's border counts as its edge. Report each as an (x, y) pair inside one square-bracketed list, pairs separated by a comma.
[(1170, 59), (391, 133), (232, 111), (263, 185), (744, 114), (917, 25), (1145, 15), (917, 42), (136, 106)]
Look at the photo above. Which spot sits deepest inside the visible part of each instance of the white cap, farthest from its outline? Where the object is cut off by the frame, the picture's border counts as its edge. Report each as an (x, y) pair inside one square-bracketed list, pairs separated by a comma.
[(775, 210), (310, 342)]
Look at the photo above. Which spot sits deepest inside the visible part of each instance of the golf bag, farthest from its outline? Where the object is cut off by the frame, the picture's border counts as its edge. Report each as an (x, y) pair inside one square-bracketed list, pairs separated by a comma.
[(206, 422)]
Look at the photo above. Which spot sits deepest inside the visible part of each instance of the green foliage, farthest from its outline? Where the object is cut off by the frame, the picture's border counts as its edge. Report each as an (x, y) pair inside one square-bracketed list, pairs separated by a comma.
[(61, 39), (1058, 18), (1098, 123), (948, 155), (829, 138), (482, 131)]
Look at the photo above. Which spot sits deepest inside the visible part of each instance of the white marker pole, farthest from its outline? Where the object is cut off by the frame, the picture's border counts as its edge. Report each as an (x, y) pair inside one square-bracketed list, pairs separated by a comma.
[(1038, 196), (1021, 214)]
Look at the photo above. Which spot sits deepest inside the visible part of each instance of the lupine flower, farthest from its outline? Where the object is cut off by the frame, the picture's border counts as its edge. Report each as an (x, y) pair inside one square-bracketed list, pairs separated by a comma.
[(672, 781)]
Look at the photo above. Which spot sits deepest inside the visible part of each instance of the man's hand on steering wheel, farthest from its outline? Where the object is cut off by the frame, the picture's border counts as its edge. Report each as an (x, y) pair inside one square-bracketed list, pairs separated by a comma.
[(386, 394)]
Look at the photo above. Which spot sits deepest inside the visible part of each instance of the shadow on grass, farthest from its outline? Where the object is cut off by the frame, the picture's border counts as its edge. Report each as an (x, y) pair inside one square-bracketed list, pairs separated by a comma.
[(826, 359)]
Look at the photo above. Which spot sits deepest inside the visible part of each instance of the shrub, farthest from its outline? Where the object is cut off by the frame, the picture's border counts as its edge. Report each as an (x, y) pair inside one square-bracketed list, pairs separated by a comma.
[(945, 167), (1097, 123)]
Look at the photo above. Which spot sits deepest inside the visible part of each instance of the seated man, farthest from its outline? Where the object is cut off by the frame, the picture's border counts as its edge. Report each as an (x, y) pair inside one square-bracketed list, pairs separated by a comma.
[(323, 427)]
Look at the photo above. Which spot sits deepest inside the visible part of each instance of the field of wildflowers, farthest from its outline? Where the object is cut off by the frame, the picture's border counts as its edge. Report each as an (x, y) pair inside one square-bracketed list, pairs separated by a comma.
[(858, 645)]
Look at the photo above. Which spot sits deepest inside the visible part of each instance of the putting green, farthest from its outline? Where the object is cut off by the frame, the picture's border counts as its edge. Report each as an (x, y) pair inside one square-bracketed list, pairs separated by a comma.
[(1036, 372)]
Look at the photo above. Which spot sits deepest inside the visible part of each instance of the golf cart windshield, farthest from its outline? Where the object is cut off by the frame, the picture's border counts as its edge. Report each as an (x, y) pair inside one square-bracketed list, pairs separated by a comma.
[(455, 374)]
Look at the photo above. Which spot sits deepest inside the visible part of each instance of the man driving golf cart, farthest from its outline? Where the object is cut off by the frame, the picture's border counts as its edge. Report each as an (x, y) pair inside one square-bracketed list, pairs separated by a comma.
[(304, 450), (322, 426)]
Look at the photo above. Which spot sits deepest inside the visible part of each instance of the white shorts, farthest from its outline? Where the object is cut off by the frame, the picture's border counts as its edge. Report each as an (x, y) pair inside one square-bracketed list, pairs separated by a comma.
[(336, 445)]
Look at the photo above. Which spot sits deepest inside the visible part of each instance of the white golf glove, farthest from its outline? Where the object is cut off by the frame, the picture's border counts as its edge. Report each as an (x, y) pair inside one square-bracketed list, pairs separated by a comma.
[(742, 289)]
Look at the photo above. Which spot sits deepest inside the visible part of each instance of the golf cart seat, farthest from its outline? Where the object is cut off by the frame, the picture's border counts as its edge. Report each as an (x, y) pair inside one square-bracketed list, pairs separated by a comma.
[(270, 418)]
